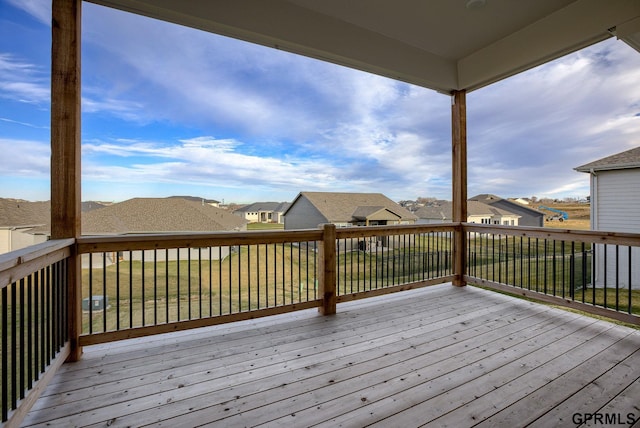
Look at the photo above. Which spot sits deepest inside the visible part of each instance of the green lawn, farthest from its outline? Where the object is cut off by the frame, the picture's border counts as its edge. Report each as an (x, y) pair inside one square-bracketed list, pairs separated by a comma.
[(255, 277), (265, 226)]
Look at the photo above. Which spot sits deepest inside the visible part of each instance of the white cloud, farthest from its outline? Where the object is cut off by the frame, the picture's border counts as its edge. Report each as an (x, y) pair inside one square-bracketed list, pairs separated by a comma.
[(527, 133), (203, 160), (291, 123), (24, 158), (30, 125), (124, 109), (39, 9), (209, 81), (23, 81)]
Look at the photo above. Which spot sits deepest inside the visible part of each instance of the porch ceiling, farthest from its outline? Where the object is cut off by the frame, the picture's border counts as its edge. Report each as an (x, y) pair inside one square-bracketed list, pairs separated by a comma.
[(439, 44)]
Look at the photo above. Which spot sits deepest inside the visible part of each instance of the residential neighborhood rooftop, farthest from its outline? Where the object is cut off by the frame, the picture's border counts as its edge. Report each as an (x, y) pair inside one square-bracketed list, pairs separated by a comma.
[(21, 213), (444, 211), (623, 160), (342, 207), (265, 206), (159, 215), (197, 199), (490, 199)]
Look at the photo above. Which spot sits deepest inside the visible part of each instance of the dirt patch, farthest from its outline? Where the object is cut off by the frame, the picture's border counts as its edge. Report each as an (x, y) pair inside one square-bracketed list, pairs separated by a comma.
[(579, 216), (569, 224)]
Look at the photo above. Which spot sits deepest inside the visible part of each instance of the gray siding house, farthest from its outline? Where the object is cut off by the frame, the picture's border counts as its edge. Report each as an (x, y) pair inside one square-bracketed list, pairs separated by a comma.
[(263, 212), (528, 216), (311, 209), (615, 207), (477, 212)]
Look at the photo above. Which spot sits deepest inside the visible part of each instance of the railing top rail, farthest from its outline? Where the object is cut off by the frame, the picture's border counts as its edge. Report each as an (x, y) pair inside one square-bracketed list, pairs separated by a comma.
[(20, 263), (593, 236), (89, 244), (14, 258), (360, 231)]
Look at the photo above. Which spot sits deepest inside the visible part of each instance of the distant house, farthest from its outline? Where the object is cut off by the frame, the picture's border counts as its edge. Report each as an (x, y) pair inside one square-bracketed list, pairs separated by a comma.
[(477, 212), (23, 223), (263, 212), (159, 215), (93, 205), (310, 209), (528, 216), (615, 204), (203, 201)]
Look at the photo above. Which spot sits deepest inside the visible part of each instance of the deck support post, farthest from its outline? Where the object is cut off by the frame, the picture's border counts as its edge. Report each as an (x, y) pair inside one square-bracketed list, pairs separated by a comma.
[(327, 270), (459, 181), (65, 149)]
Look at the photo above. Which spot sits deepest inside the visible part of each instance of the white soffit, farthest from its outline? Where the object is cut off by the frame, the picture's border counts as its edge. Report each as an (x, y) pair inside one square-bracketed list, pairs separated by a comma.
[(438, 44), (629, 32)]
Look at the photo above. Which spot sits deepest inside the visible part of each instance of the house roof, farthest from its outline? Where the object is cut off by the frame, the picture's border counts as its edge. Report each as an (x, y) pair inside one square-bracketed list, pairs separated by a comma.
[(197, 199), (265, 206), (21, 213), (491, 199), (374, 213), (624, 160), (474, 208), (158, 215), (439, 44), (92, 205), (342, 207)]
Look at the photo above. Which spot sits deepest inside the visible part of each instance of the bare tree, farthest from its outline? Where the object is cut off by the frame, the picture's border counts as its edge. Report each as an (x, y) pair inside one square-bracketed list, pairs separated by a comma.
[(425, 200)]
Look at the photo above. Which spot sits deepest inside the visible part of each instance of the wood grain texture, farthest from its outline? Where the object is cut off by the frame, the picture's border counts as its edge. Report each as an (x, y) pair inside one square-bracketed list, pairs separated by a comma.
[(434, 356), (327, 270), (459, 180), (65, 118), (66, 148)]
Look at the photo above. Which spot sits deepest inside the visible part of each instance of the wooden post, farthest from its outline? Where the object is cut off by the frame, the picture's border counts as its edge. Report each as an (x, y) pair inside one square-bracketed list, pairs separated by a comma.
[(327, 269), (65, 147), (459, 181)]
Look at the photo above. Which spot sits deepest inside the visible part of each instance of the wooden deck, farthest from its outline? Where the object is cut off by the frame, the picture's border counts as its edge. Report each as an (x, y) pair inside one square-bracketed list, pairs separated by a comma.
[(438, 356)]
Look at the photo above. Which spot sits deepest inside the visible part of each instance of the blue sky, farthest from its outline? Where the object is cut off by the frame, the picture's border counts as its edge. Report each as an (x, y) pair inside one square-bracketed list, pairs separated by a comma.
[(169, 110)]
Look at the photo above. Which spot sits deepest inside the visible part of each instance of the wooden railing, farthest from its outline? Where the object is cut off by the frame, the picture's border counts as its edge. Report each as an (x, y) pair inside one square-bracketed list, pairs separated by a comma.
[(380, 259), (148, 284), (596, 272), (33, 322)]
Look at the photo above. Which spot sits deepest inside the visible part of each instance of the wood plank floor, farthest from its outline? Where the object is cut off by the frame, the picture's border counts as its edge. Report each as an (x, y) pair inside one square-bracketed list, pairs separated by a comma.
[(437, 356)]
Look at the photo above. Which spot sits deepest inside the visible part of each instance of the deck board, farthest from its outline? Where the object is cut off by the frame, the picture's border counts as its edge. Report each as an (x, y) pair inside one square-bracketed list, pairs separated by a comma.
[(439, 356), (606, 376)]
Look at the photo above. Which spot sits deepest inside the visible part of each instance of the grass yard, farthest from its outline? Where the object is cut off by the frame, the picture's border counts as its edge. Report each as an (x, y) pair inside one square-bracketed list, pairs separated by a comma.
[(619, 300), (265, 226), (148, 293)]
